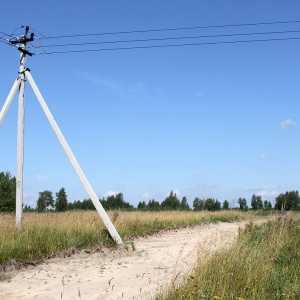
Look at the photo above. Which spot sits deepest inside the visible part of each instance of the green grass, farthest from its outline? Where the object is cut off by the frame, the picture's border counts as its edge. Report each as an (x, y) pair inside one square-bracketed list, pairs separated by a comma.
[(263, 264)]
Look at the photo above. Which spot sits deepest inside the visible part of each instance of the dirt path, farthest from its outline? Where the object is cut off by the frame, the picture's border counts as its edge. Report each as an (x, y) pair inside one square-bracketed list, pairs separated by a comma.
[(157, 262)]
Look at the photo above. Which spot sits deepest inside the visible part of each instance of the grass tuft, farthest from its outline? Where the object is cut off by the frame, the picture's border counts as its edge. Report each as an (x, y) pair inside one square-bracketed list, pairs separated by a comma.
[(263, 264)]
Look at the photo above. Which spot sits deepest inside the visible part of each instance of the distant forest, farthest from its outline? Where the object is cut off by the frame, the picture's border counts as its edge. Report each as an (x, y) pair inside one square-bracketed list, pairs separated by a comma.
[(46, 201)]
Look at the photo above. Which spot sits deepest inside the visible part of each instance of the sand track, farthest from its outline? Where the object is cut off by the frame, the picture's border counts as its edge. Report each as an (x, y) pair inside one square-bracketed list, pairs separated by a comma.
[(156, 263)]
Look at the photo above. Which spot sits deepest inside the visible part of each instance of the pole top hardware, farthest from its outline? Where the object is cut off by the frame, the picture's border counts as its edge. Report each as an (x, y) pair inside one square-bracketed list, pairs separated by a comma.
[(24, 51), (23, 40)]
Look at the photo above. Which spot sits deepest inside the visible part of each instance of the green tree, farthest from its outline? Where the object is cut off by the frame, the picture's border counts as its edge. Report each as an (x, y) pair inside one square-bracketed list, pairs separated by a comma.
[(45, 201), (153, 205), (61, 203), (212, 204), (256, 202), (77, 204), (142, 205), (87, 204), (103, 203), (198, 204), (288, 201), (184, 204), (267, 205), (171, 202), (117, 202), (27, 208), (7, 192), (225, 205), (40, 204), (243, 204)]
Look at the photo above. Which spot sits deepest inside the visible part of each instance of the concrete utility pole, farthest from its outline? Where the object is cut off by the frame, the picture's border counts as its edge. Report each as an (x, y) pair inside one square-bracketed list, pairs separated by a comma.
[(20, 143), (19, 84)]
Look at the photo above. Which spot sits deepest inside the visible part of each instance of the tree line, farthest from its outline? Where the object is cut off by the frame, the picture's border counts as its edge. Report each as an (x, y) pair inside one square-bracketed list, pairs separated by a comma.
[(46, 201)]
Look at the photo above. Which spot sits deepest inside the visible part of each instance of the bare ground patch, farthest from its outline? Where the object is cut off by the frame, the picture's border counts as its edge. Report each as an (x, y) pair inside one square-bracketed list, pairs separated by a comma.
[(157, 263)]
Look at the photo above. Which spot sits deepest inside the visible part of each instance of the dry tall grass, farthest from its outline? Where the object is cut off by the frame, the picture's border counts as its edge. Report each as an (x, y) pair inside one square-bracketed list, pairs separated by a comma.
[(263, 264), (44, 235)]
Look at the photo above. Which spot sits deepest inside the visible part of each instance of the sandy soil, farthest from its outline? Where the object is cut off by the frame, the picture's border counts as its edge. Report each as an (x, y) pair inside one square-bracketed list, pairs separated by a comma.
[(158, 262)]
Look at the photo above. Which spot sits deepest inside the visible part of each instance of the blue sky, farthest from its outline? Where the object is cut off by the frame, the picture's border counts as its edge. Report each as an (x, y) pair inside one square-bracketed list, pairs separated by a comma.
[(217, 121)]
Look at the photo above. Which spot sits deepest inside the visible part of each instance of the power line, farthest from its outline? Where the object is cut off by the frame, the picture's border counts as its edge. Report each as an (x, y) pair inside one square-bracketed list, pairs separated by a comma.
[(168, 38), (2, 40), (6, 41), (170, 45), (173, 29), (11, 34)]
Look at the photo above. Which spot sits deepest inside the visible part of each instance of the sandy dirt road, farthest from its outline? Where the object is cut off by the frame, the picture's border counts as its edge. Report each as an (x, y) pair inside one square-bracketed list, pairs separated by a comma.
[(156, 263)]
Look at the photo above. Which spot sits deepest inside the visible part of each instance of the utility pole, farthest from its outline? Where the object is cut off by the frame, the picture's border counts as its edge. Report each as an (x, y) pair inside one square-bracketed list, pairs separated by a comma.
[(20, 83), (20, 139)]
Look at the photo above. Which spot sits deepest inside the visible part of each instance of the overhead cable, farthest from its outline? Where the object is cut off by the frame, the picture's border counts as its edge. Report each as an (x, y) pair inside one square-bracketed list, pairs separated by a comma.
[(170, 45), (172, 29), (168, 38)]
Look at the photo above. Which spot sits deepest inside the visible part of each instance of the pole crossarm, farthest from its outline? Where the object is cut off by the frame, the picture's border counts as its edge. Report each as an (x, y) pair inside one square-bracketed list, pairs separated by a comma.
[(106, 220)]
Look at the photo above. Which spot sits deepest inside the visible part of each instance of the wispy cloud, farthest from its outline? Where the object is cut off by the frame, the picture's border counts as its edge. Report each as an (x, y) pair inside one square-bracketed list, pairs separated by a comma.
[(175, 192), (132, 90), (146, 195), (268, 194), (110, 193), (286, 123), (264, 156)]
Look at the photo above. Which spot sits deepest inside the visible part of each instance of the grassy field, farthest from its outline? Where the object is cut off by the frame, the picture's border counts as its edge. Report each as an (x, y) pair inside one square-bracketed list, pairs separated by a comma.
[(44, 235), (263, 264)]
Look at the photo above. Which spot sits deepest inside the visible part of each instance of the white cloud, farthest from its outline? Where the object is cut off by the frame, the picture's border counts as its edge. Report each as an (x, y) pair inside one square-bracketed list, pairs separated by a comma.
[(268, 194), (287, 122), (146, 195), (264, 156), (110, 193), (177, 192), (174, 192)]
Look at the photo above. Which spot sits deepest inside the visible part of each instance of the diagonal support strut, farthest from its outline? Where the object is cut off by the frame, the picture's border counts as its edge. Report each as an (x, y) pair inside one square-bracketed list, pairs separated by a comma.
[(107, 222), (9, 100)]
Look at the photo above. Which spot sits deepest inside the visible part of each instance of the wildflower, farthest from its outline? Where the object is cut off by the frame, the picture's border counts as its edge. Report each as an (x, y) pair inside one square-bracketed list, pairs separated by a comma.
[(284, 295), (216, 297), (240, 298), (159, 294), (247, 287)]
